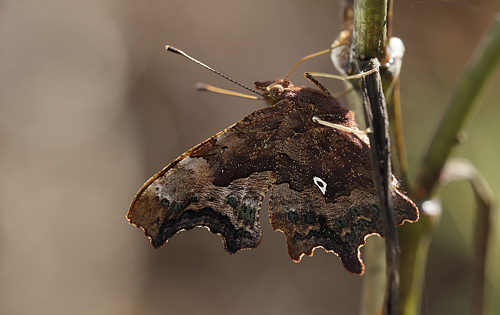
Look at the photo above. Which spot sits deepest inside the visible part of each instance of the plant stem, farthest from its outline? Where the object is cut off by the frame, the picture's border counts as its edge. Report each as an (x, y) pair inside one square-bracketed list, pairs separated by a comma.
[(460, 169), (370, 32), (369, 35), (482, 65), (398, 150), (378, 122), (480, 68), (415, 239)]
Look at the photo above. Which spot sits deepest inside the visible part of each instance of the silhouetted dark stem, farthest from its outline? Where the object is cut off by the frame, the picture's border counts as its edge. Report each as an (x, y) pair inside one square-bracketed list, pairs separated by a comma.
[(369, 41), (377, 121)]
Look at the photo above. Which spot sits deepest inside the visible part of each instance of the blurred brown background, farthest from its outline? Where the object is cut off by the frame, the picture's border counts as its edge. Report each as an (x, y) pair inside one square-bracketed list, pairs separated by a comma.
[(91, 105)]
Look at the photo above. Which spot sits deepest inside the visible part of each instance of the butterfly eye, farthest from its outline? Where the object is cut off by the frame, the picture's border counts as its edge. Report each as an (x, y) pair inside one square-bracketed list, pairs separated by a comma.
[(303, 99)]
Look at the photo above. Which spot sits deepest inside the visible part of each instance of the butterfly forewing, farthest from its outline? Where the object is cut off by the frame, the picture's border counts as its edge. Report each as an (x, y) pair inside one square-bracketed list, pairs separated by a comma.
[(219, 184)]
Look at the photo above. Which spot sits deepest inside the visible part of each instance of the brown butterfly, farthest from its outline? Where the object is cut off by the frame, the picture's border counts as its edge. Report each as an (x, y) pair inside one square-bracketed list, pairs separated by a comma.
[(321, 180)]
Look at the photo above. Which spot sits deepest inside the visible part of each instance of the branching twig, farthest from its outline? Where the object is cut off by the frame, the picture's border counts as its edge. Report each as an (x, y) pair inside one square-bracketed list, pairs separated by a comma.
[(481, 66)]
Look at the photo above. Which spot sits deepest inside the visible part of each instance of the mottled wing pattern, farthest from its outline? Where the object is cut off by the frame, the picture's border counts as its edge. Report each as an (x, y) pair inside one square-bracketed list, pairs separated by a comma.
[(219, 184), (324, 194)]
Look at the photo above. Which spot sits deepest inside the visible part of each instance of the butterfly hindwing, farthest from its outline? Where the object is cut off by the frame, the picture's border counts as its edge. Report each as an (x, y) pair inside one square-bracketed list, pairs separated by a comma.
[(324, 193)]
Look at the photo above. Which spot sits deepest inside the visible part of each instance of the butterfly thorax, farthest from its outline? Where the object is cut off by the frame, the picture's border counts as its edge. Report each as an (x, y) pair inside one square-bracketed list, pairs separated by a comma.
[(307, 99)]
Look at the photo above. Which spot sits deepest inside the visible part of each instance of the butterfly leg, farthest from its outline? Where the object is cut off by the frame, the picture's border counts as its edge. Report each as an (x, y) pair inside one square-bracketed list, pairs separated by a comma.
[(311, 77), (340, 127)]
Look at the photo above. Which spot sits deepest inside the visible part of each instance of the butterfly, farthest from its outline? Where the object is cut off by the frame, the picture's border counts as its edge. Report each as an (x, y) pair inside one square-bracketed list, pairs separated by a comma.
[(322, 191)]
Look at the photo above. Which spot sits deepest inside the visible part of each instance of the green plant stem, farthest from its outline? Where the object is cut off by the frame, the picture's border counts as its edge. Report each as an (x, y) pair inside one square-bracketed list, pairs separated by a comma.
[(369, 35), (370, 21), (480, 68), (369, 41), (374, 279), (460, 169), (398, 149), (417, 236), (485, 206), (415, 239)]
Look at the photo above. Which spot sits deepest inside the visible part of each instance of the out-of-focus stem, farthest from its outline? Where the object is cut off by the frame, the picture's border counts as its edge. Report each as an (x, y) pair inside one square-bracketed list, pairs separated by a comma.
[(481, 66)]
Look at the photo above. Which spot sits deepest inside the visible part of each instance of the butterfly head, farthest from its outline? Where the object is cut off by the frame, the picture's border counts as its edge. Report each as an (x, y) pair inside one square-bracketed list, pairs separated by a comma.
[(275, 91)]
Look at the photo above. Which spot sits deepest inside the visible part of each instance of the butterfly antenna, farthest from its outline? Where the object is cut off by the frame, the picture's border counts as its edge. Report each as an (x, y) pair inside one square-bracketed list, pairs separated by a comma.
[(210, 88), (337, 43), (180, 52), (305, 58)]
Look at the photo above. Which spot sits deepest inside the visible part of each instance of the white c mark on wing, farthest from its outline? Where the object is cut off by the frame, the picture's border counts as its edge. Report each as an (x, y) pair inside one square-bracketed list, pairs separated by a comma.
[(320, 183)]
